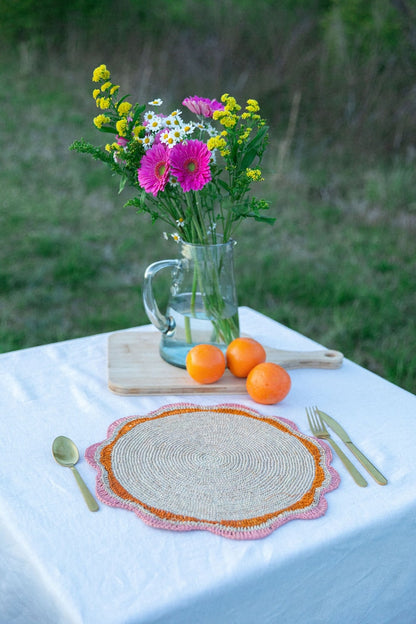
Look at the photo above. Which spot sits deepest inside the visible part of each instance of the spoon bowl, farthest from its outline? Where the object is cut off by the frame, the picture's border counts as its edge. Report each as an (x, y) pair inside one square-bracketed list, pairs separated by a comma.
[(65, 451), (66, 454)]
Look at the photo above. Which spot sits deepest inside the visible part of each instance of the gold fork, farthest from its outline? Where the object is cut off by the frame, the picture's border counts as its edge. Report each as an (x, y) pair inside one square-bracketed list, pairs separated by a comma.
[(319, 430)]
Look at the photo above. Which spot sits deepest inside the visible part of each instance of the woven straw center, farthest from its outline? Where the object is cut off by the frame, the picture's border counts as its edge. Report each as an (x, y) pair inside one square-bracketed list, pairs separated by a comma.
[(212, 465)]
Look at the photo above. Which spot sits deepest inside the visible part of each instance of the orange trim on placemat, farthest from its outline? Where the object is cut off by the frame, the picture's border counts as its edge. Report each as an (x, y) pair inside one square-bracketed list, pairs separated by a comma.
[(117, 488)]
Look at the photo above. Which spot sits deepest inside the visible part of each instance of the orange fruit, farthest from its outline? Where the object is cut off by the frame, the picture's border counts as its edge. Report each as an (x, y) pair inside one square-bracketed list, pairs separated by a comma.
[(243, 354), (205, 363), (268, 383)]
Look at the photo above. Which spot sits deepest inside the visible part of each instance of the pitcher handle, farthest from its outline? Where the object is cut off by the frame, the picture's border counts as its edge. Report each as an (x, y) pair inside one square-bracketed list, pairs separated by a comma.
[(165, 324)]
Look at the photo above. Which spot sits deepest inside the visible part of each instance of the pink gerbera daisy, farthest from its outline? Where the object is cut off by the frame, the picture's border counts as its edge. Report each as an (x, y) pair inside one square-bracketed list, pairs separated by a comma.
[(154, 169), (202, 106), (189, 163)]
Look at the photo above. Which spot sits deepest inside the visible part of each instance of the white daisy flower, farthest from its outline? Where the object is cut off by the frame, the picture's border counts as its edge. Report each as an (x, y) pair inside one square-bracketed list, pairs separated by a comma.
[(146, 141), (174, 120), (188, 128), (155, 124), (177, 134), (164, 134), (168, 138), (156, 102), (149, 116)]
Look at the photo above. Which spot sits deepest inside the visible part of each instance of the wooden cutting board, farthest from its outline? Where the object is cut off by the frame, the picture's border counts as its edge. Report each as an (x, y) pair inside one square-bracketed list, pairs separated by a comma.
[(135, 367)]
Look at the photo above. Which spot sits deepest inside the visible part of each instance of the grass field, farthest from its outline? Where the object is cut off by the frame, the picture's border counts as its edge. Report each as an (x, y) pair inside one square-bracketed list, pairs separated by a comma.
[(339, 265)]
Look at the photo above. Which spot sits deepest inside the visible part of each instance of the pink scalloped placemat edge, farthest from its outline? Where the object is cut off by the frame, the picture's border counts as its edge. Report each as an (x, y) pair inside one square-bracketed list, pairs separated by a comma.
[(107, 496)]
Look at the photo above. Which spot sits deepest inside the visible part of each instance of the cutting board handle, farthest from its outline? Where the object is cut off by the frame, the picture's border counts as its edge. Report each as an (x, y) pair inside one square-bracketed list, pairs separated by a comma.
[(324, 358)]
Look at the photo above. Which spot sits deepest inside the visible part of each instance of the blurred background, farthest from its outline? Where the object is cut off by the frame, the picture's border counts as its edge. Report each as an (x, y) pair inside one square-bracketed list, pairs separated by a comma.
[(336, 80)]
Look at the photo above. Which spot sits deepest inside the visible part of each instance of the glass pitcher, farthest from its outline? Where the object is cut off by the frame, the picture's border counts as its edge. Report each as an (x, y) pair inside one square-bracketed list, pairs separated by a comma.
[(202, 306)]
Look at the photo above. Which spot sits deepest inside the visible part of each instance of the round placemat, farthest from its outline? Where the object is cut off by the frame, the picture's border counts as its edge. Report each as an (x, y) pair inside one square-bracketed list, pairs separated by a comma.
[(225, 468)]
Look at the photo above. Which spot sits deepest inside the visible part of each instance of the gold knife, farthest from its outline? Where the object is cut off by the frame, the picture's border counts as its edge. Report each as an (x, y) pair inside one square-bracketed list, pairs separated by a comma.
[(340, 431)]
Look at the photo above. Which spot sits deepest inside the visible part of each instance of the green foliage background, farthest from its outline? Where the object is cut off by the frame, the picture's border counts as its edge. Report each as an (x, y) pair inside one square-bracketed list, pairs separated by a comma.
[(337, 81)]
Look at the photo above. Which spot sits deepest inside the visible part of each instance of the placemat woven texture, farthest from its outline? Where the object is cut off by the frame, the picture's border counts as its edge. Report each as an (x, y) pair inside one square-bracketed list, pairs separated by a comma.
[(226, 469)]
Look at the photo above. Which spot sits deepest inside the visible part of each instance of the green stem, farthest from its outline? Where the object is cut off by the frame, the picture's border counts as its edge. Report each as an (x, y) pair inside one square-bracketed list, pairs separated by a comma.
[(193, 210), (188, 332), (193, 294)]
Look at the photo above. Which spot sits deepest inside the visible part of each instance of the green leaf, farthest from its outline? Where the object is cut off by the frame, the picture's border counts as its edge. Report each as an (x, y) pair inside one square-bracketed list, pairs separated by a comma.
[(256, 141), (248, 158), (254, 147), (257, 217), (223, 184), (107, 129), (139, 110), (123, 181), (122, 99)]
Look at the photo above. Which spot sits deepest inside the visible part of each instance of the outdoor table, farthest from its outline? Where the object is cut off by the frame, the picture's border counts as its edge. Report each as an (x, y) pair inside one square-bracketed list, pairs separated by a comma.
[(61, 564)]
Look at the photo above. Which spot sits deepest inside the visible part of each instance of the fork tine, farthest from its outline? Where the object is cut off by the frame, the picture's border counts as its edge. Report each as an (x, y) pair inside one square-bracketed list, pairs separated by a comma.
[(319, 419), (309, 414), (311, 419)]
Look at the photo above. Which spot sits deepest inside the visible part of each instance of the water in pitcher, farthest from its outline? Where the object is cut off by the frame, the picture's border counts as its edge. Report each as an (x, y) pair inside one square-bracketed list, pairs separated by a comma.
[(196, 326)]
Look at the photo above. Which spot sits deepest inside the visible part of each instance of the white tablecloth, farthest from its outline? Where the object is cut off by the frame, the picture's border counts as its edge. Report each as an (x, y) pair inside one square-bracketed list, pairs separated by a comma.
[(61, 564)]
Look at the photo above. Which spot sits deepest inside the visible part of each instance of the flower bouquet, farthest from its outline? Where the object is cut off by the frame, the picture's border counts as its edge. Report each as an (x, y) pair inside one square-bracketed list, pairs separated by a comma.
[(195, 175)]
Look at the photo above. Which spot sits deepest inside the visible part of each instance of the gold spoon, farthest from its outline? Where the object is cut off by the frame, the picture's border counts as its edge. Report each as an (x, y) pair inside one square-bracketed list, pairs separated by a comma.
[(66, 453)]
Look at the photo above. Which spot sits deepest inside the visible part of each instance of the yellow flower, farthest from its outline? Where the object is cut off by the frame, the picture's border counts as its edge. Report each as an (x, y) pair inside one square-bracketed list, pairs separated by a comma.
[(218, 114), (231, 105), (244, 135), (252, 106), (121, 127), (100, 120), (137, 130), (254, 174), (229, 121), (95, 93), (113, 147), (105, 86), (124, 108), (103, 103), (100, 73), (216, 142), (114, 88)]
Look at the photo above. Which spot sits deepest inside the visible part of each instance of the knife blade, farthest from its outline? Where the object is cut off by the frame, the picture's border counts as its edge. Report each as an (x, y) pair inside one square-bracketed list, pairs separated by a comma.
[(340, 431)]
